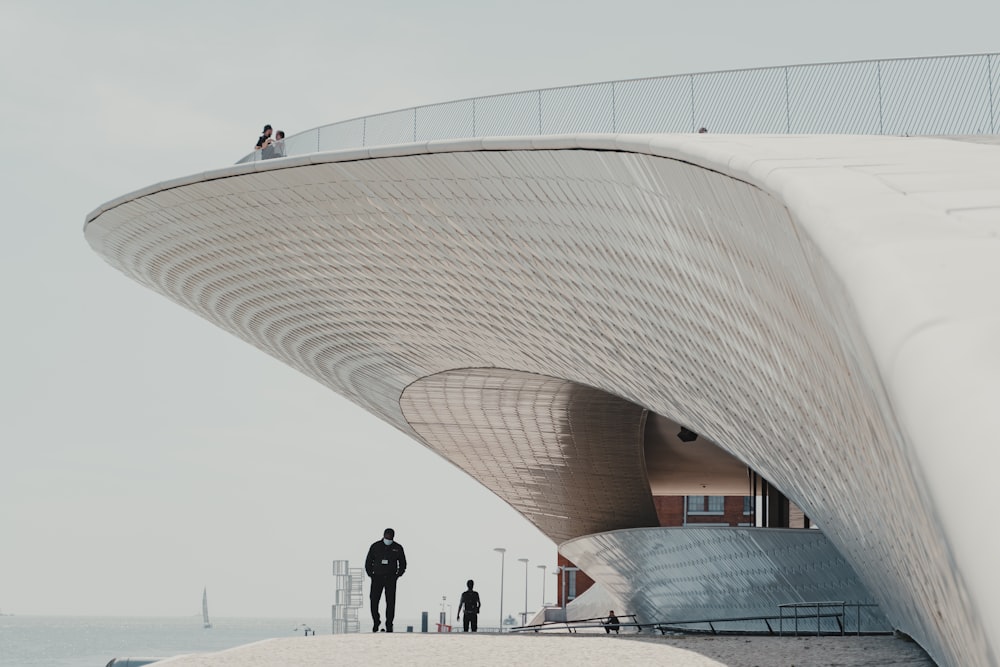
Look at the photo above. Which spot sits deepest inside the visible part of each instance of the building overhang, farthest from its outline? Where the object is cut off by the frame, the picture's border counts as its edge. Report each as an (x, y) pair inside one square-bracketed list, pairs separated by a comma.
[(822, 308)]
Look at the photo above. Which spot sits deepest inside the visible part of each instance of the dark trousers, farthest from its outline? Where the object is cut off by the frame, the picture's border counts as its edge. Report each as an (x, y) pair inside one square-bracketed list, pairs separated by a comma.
[(386, 582), (470, 619)]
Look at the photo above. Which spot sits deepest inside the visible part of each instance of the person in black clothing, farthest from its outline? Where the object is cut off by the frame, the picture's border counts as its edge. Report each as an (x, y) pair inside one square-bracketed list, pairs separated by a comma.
[(265, 138), (385, 563), (470, 600), (612, 623)]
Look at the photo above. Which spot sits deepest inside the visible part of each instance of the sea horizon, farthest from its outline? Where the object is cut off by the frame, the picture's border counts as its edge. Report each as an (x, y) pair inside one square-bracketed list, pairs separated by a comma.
[(62, 640)]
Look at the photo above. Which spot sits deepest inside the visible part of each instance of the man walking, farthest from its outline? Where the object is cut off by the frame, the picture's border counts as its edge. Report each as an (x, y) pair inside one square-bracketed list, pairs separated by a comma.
[(385, 563), (470, 600)]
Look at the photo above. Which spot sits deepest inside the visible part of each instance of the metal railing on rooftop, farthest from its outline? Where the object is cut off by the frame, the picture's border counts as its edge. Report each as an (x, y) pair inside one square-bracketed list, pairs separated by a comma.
[(908, 96)]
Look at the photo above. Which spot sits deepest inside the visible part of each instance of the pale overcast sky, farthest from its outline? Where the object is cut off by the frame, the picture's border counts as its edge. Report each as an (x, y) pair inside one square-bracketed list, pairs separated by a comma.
[(144, 453)]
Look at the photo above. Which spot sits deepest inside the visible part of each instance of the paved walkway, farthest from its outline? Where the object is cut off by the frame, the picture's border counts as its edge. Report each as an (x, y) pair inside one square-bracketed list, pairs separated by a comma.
[(577, 650)]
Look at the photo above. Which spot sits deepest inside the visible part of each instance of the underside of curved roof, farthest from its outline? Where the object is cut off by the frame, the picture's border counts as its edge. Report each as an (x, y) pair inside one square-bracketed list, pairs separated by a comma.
[(824, 308)]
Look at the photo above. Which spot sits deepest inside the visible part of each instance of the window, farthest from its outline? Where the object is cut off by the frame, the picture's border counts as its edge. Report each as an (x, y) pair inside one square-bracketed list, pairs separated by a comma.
[(748, 504), (705, 504), (696, 503)]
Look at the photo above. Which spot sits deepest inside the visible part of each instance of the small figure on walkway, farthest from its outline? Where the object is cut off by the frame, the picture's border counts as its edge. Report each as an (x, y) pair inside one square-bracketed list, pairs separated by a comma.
[(277, 145), (703, 130), (265, 139), (274, 147), (470, 601), (612, 623), (385, 563)]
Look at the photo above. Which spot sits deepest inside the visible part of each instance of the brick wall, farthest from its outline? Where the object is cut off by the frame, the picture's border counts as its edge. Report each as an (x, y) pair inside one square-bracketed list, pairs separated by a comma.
[(670, 512), (583, 582)]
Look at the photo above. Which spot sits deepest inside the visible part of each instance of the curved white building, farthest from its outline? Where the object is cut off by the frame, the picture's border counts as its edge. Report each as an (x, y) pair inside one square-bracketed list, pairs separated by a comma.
[(822, 309)]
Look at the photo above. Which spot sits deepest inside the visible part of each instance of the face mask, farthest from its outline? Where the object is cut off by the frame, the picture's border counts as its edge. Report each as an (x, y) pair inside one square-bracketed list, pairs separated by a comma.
[(386, 541)]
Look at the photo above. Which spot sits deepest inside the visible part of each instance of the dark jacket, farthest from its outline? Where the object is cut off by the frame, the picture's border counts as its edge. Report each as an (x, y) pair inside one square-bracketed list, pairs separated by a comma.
[(470, 600), (385, 560)]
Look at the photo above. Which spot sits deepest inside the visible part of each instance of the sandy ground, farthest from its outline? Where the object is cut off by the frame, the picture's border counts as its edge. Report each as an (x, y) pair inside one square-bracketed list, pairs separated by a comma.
[(569, 650)]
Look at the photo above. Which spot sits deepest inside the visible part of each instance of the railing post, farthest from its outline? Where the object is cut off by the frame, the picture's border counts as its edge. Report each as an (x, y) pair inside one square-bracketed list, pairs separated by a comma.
[(878, 71), (539, 111), (414, 124), (693, 129), (614, 110), (788, 118), (989, 89), (364, 131)]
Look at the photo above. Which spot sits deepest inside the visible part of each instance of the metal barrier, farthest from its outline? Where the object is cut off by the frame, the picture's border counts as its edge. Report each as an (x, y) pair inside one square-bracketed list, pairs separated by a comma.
[(906, 96), (839, 614), (457, 628), (578, 624), (835, 610)]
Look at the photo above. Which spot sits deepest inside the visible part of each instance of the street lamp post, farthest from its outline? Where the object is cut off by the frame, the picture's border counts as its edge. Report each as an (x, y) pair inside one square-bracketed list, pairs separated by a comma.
[(542, 568), (524, 617), (501, 551)]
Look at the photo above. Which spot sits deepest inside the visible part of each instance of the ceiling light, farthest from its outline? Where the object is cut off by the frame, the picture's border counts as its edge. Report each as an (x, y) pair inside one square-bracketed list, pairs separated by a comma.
[(687, 435)]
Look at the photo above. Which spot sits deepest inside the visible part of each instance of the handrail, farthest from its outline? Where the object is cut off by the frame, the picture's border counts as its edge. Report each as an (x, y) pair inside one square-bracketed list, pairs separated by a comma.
[(900, 96), (664, 626), (818, 605), (712, 622), (573, 625)]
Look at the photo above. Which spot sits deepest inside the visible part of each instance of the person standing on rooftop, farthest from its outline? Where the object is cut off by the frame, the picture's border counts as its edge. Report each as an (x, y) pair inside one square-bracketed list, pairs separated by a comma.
[(278, 145), (265, 138)]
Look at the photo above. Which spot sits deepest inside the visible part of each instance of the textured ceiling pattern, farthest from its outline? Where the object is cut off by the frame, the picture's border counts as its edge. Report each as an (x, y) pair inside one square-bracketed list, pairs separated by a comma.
[(681, 289), (696, 468), (568, 457)]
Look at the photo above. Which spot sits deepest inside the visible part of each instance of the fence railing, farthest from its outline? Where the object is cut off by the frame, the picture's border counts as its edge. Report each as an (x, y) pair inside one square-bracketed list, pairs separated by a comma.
[(831, 618), (601, 622), (818, 610), (909, 96)]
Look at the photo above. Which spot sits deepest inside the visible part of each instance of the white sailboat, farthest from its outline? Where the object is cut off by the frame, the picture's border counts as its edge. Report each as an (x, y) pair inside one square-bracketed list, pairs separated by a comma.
[(204, 608)]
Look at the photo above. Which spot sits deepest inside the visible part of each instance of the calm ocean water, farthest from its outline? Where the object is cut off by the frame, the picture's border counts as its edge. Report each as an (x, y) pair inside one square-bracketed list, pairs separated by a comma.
[(78, 641)]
